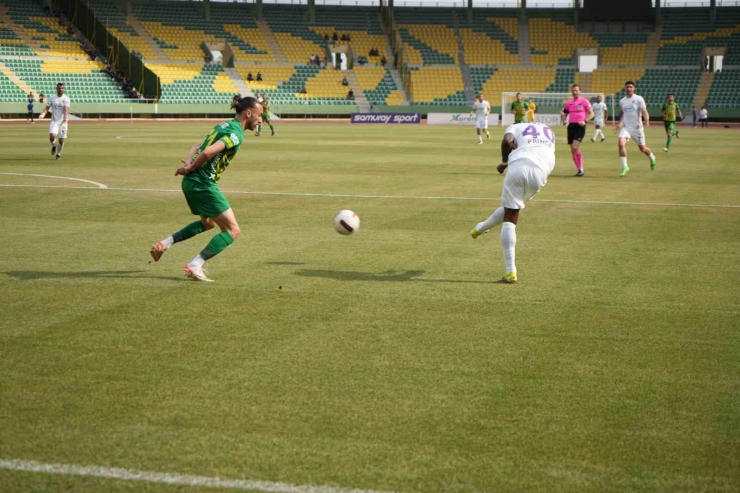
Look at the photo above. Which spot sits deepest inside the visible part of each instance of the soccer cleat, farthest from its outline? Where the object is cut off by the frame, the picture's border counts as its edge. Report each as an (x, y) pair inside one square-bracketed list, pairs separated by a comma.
[(157, 251), (53, 150), (624, 172), (603, 139), (580, 173), (480, 142), (273, 133), (593, 140), (488, 136), (665, 149), (59, 157), (676, 133), (196, 274), (475, 234), (509, 278), (653, 164)]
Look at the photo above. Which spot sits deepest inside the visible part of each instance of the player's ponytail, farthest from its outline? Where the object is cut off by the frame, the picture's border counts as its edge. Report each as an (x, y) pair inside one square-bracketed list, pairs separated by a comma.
[(235, 101), (244, 104)]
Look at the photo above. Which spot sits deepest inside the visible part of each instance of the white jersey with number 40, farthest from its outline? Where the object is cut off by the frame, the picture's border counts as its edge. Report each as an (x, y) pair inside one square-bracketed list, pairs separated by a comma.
[(535, 143)]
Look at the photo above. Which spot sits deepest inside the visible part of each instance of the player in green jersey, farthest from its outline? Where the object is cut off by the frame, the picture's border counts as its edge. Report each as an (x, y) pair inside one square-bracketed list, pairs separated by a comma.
[(265, 115), (201, 171), (519, 108), (669, 111)]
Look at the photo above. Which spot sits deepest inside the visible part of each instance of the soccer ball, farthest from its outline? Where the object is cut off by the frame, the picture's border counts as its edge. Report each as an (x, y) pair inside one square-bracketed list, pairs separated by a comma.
[(346, 222)]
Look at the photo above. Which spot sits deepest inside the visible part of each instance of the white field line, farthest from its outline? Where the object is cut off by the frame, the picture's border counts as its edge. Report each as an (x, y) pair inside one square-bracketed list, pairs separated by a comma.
[(398, 197), (171, 478), (99, 185)]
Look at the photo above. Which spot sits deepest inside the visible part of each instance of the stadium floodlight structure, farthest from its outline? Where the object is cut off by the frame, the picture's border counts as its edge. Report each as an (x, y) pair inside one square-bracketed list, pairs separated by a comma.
[(548, 104)]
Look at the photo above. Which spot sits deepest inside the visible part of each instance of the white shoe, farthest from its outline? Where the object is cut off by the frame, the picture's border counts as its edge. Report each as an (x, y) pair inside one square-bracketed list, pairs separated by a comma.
[(196, 273), (665, 149)]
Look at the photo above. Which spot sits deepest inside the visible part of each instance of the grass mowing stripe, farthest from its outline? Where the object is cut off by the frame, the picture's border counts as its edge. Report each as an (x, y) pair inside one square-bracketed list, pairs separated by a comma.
[(398, 197), (171, 478)]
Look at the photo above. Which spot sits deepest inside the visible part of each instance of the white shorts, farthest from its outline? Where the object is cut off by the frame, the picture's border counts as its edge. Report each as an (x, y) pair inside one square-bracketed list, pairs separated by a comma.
[(638, 135), (58, 129), (599, 122), (481, 122), (522, 182)]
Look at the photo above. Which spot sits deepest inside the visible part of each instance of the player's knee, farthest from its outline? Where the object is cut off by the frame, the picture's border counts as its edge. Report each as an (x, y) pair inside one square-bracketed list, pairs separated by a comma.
[(208, 223), (235, 231)]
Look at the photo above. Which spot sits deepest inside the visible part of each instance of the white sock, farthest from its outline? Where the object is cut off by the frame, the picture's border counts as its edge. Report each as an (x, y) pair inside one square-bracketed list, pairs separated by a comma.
[(623, 160), (480, 138), (596, 134), (197, 262), (651, 156), (508, 242), (494, 220), (59, 148), (167, 242), (602, 134)]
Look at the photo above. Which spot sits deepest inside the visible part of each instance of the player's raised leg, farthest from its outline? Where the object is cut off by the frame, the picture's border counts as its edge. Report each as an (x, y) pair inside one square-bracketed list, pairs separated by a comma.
[(192, 229), (230, 231), (484, 226), (622, 143)]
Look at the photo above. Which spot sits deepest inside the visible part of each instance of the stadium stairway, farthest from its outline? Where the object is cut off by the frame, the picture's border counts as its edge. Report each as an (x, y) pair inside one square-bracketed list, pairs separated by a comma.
[(20, 32), (241, 86), (525, 55), (144, 34), (585, 80), (653, 44), (360, 98), (8, 72), (272, 42), (464, 67), (702, 92)]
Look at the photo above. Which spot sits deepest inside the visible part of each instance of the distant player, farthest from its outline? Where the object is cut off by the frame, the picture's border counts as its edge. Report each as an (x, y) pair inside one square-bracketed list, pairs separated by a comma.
[(531, 110), (201, 192), (669, 112), (29, 108), (59, 107), (630, 125), (528, 150), (266, 115), (578, 111), (519, 108), (601, 112), (481, 108)]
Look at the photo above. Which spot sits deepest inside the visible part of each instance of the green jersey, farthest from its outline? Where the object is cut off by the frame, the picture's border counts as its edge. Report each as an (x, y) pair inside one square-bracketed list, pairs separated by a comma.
[(231, 134), (671, 111), (520, 109)]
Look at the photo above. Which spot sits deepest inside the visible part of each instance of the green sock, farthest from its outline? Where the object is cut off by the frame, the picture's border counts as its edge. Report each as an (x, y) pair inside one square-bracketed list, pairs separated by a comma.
[(668, 144), (272, 129), (259, 128), (189, 231), (217, 245)]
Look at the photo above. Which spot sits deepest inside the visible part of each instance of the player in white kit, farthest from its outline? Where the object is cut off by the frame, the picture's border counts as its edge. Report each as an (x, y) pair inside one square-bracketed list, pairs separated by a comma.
[(59, 107), (528, 150), (481, 108), (630, 126), (600, 114)]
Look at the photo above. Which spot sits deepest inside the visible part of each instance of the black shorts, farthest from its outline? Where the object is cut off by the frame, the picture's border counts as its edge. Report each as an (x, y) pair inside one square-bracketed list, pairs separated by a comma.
[(576, 132)]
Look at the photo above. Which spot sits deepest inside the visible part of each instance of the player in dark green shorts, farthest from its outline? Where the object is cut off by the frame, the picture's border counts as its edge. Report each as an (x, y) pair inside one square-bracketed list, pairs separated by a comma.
[(669, 111), (200, 176), (519, 108), (265, 115)]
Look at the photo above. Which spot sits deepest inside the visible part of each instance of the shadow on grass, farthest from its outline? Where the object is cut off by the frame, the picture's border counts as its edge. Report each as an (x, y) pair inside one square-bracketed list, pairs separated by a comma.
[(389, 276), (30, 275)]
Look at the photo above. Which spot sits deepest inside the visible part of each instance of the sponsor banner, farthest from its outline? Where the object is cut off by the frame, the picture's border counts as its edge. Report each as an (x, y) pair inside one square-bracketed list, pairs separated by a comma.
[(385, 118), (457, 119), (549, 119)]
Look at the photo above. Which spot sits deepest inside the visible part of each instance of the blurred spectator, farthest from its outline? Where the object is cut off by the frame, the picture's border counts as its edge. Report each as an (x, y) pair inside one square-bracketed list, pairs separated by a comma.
[(335, 36), (383, 61), (303, 89), (41, 97), (250, 78), (350, 94), (345, 82), (345, 37), (259, 76), (362, 60)]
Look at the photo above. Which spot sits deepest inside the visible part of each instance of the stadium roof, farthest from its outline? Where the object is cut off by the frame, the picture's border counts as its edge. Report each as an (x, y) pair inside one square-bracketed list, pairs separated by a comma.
[(547, 4)]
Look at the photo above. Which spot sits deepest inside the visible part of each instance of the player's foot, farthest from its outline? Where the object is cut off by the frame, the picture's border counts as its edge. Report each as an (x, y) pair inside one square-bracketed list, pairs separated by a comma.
[(53, 150), (257, 135), (509, 278), (488, 136), (665, 149), (475, 234), (59, 157), (603, 139), (624, 172), (196, 273), (580, 173), (593, 140), (676, 133), (33, 123), (157, 251), (273, 133), (480, 142), (653, 164)]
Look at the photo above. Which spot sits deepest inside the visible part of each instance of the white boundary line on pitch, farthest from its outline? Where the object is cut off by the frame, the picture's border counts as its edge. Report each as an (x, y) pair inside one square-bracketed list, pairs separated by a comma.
[(99, 185), (398, 197), (171, 478)]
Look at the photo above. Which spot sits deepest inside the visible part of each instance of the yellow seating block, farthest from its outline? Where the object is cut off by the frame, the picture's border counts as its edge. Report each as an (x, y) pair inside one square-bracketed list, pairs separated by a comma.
[(369, 77), (170, 72), (557, 38), (482, 50), (701, 36), (62, 49), (394, 98), (510, 25), (628, 54), (430, 83), (360, 41), (135, 43), (271, 76), (223, 83), (326, 84), (611, 80), (519, 80), (298, 49), (188, 42), (440, 38), (255, 38), (70, 66)]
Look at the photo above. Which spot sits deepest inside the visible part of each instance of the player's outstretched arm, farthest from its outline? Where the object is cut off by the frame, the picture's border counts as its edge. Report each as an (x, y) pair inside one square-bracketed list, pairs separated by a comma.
[(204, 156)]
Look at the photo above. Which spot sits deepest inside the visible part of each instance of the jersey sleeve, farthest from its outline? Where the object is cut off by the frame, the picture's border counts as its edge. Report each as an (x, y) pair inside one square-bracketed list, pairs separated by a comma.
[(66, 103), (511, 130), (588, 105), (230, 140)]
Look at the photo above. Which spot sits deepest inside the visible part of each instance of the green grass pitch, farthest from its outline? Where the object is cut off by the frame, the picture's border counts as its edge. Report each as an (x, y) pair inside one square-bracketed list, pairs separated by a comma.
[(389, 360)]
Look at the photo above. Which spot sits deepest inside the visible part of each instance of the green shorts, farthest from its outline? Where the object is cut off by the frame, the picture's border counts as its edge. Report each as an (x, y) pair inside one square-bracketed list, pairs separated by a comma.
[(265, 118), (204, 200), (669, 126), (519, 121)]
